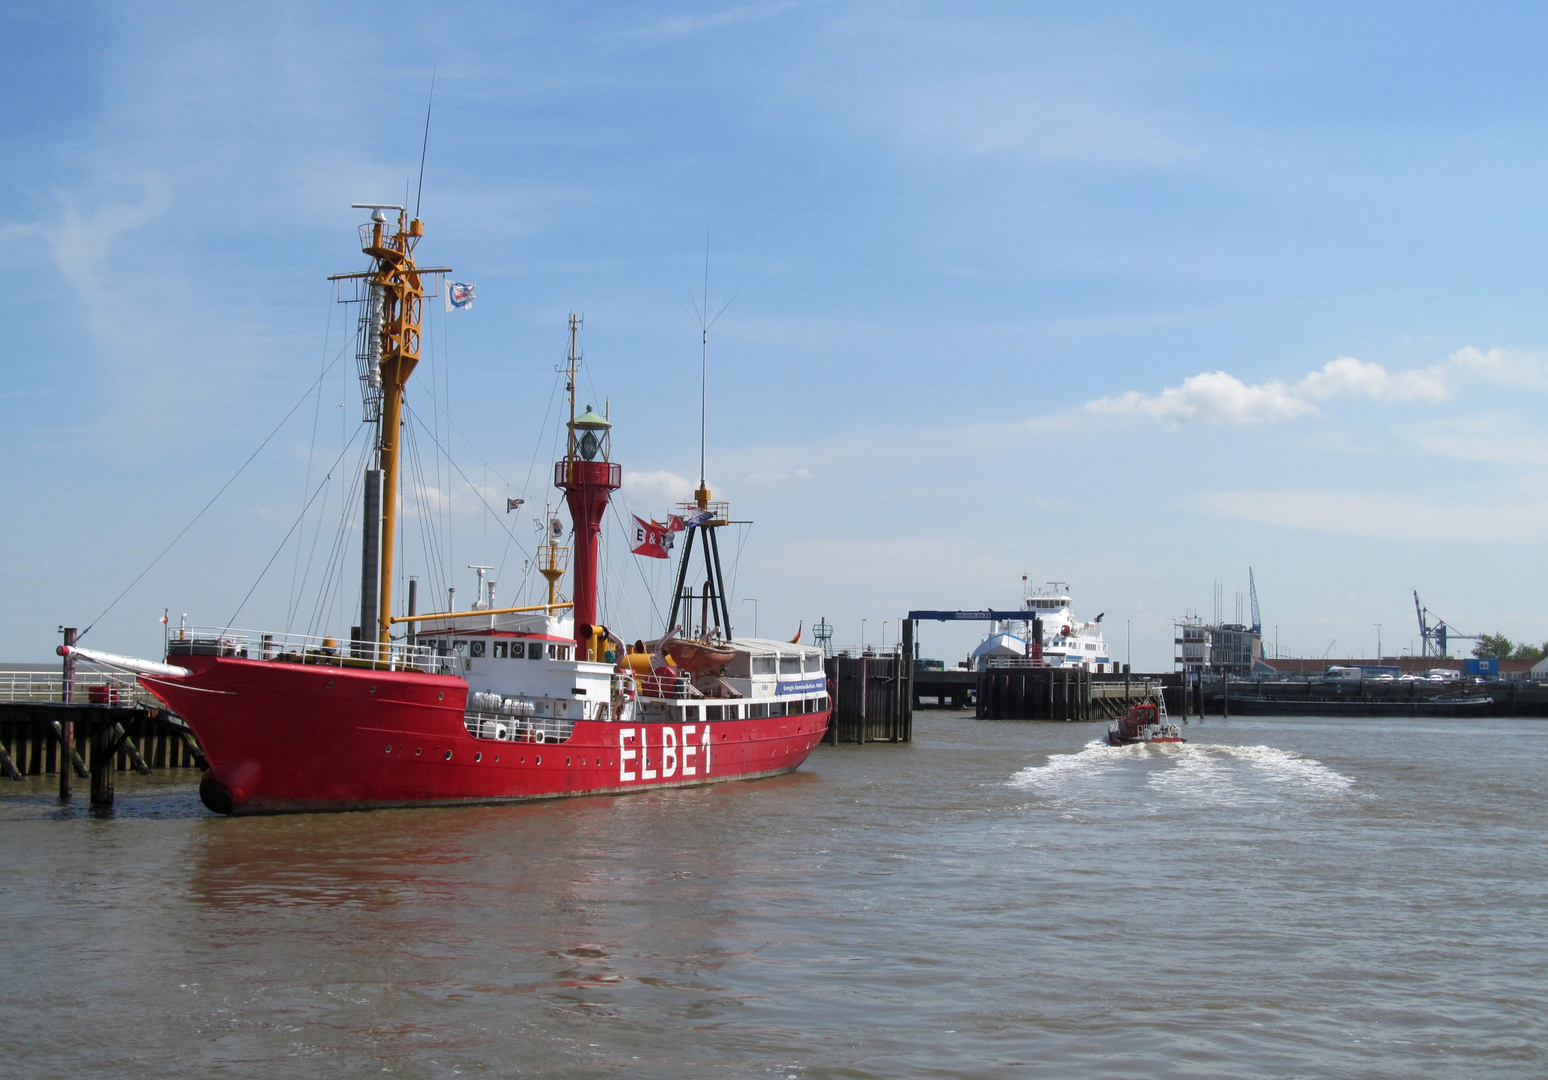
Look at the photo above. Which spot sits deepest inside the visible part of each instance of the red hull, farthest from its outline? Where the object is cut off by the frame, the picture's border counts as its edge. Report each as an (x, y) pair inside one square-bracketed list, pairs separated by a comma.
[(289, 737)]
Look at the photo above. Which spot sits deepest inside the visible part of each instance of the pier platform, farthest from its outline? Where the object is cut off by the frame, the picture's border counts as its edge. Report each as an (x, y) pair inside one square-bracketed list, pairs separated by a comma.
[(90, 727)]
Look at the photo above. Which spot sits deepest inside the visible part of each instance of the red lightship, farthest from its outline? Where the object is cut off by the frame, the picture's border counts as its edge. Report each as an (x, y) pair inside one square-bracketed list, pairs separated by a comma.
[(488, 704)]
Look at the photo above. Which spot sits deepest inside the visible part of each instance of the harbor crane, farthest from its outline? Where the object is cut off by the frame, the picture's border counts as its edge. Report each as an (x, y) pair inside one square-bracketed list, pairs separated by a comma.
[(1434, 635), (1252, 592)]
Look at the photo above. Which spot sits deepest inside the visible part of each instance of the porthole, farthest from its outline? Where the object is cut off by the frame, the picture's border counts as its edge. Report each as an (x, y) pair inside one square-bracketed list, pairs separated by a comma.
[(537, 760), (330, 684), (476, 757), (441, 696), (389, 748), (371, 689), (418, 750), (567, 761), (448, 755)]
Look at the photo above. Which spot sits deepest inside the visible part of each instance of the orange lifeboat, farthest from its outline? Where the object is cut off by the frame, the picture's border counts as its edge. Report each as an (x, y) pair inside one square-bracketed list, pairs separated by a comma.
[(698, 657)]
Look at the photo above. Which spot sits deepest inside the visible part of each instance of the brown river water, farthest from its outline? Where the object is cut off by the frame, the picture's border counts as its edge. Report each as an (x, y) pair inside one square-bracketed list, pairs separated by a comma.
[(1281, 897)]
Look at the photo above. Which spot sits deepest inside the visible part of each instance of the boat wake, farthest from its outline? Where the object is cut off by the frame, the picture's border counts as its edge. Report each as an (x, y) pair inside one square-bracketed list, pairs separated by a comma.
[(1190, 772)]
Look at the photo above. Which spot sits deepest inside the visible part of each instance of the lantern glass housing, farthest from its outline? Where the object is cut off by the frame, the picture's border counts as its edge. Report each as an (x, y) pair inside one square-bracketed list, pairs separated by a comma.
[(590, 431)]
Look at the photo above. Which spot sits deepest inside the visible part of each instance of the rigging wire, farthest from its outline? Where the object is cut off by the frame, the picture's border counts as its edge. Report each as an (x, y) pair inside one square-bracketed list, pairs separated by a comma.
[(294, 526), (243, 468), (736, 564), (429, 539), (537, 446), (311, 454), (471, 486), (330, 590)]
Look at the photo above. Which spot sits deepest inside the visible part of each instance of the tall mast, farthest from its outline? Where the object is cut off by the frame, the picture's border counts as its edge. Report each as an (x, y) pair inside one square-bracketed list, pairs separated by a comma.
[(402, 308), (395, 294)]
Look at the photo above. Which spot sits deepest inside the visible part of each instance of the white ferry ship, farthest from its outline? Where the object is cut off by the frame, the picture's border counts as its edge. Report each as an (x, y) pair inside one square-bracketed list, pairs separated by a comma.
[(1067, 642)]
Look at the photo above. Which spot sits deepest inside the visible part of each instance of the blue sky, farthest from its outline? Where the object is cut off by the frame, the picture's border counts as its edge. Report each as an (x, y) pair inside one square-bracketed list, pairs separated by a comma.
[(1129, 296)]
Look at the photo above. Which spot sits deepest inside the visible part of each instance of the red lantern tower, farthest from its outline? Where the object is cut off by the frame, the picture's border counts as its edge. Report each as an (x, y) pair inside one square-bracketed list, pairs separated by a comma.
[(588, 479)]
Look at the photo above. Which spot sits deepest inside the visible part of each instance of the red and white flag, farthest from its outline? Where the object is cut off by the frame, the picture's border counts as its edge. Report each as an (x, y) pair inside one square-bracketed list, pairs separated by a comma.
[(651, 539)]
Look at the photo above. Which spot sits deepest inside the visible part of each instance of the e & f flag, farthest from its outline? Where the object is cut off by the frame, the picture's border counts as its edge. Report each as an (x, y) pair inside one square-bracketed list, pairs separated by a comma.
[(459, 296), (651, 539)]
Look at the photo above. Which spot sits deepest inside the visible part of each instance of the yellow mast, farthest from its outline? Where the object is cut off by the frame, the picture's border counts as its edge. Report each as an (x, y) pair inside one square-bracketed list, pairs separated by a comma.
[(397, 281), (402, 308)]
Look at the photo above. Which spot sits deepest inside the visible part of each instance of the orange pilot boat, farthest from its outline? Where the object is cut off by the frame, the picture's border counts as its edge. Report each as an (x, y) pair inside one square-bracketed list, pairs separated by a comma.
[(1144, 722), (492, 703)]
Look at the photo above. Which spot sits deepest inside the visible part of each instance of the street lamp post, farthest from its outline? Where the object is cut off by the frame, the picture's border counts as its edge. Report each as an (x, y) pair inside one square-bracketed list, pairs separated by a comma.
[(884, 635), (862, 635), (753, 600)]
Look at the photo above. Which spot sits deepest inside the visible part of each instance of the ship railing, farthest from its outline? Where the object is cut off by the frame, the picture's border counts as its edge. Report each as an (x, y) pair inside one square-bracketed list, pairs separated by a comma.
[(325, 650), (1016, 662), (88, 688), (503, 727)]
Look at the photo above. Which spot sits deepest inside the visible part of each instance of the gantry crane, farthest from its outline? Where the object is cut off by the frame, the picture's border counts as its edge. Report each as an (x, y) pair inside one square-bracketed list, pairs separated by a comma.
[(1433, 636)]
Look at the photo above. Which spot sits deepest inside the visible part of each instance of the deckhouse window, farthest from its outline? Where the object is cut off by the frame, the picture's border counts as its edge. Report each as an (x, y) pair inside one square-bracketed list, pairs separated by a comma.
[(763, 665), (790, 665), (475, 648), (534, 650), (499, 650)]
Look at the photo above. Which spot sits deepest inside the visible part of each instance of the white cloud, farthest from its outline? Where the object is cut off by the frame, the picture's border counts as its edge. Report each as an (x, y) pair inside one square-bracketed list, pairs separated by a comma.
[(1349, 513), (1348, 377), (658, 488), (1213, 397), (1499, 438), (1221, 398), (1510, 367), (779, 477)]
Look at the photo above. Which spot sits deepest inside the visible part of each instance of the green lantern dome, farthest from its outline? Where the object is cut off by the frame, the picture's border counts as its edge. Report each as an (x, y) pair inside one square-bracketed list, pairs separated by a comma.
[(591, 420), (589, 429)]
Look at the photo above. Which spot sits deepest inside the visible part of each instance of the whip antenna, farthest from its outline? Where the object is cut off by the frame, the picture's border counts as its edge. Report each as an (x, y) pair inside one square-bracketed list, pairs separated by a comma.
[(705, 320), (426, 144)]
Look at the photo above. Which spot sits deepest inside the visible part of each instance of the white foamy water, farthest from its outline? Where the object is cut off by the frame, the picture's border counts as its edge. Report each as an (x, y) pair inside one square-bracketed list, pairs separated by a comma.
[(1192, 772), (1062, 770)]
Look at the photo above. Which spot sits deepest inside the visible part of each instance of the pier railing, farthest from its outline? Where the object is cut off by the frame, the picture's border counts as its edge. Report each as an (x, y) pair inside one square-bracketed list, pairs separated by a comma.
[(89, 687)]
